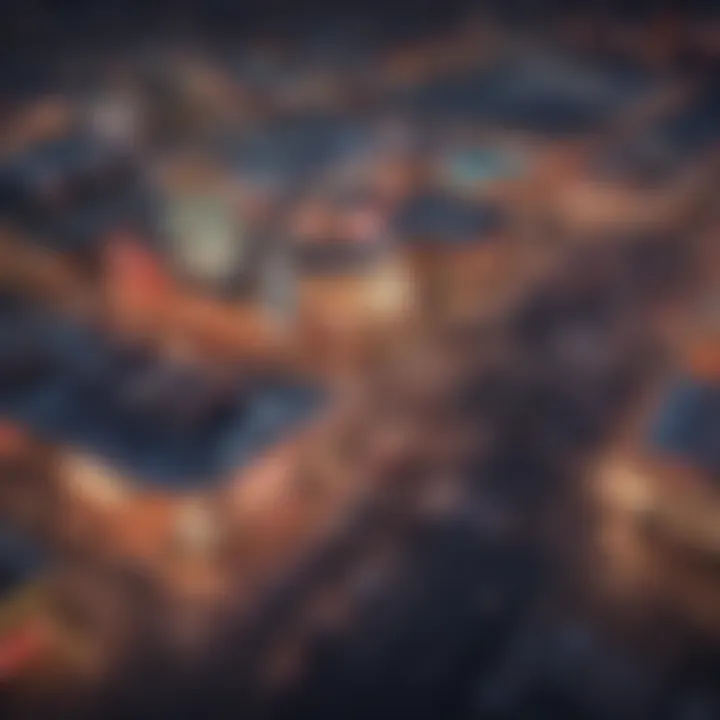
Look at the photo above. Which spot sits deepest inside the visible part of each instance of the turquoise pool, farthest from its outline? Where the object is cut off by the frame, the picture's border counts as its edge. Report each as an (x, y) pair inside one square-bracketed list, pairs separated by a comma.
[(482, 166)]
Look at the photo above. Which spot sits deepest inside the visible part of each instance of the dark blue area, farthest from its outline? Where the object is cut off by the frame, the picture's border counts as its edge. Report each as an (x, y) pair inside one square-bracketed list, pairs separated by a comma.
[(66, 156), (289, 148), (483, 165), (20, 560), (552, 98), (165, 425), (442, 218), (667, 147), (624, 77), (688, 425), (694, 128), (70, 192)]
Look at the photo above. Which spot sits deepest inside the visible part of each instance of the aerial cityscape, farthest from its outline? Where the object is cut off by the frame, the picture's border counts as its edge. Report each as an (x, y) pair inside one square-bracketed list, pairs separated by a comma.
[(359, 361)]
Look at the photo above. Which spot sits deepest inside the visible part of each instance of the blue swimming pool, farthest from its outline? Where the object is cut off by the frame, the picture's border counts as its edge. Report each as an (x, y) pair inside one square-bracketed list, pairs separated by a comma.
[(471, 168)]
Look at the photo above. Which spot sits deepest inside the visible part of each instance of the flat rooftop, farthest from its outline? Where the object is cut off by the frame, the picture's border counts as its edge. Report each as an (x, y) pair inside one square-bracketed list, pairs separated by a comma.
[(70, 191), (164, 425), (439, 217), (545, 93), (687, 425)]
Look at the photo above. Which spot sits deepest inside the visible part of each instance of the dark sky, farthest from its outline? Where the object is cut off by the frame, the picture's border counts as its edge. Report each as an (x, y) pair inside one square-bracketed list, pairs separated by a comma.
[(39, 30)]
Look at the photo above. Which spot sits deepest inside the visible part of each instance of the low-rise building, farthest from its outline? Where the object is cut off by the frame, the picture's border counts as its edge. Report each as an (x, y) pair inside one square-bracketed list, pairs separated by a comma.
[(458, 251)]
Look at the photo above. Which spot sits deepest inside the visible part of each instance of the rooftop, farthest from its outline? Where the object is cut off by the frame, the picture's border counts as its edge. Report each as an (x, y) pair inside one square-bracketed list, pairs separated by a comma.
[(695, 126), (165, 424), (687, 426), (288, 148), (70, 191), (543, 94), (442, 217)]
